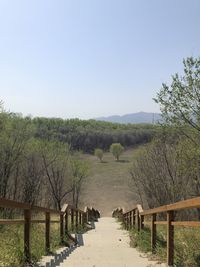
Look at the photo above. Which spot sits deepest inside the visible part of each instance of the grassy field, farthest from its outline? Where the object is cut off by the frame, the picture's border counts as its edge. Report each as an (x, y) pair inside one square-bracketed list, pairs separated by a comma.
[(109, 184)]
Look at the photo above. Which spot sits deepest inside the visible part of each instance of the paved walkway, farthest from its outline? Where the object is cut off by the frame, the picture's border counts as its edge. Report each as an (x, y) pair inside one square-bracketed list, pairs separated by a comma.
[(105, 246)]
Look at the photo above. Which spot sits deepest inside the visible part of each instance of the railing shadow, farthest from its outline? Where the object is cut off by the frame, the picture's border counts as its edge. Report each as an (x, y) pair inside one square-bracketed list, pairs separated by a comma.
[(59, 258), (80, 240)]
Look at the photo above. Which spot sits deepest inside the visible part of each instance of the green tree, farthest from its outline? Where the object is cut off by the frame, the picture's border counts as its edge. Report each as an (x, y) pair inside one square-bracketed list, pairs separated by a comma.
[(99, 153), (180, 101), (116, 149)]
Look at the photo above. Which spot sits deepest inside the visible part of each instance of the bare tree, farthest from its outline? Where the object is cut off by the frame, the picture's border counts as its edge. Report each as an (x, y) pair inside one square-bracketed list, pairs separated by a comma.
[(79, 174), (156, 172), (56, 165)]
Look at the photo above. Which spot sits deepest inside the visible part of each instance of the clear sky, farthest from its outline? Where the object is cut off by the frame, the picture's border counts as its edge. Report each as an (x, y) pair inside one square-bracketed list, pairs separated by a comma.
[(90, 58)]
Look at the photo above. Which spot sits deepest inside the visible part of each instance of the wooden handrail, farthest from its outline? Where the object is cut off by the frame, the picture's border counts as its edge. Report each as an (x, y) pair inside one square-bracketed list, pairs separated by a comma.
[(135, 217), (78, 217)]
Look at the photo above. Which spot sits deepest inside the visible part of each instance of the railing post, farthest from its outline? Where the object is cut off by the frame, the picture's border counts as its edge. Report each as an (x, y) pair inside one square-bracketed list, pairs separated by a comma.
[(85, 217), (129, 220), (153, 233), (142, 222), (76, 219), (27, 228), (72, 219), (80, 218), (134, 218), (61, 228), (66, 221), (47, 232), (170, 238), (138, 220)]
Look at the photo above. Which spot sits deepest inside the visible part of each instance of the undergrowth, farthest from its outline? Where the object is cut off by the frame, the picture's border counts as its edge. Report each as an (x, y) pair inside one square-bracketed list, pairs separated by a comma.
[(12, 245), (187, 243)]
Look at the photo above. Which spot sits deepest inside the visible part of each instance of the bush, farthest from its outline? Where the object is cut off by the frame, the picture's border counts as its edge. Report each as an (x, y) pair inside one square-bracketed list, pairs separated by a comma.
[(99, 153), (116, 149)]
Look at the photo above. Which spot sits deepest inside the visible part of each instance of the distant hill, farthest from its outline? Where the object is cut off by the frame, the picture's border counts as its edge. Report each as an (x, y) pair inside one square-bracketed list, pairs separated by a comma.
[(140, 117)]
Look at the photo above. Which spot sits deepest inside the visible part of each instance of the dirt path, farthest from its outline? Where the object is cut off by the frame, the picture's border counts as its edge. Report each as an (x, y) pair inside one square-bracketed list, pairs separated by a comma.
[(109, 184)]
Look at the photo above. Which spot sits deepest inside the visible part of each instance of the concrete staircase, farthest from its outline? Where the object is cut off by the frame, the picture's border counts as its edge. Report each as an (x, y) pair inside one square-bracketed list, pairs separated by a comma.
[(105, 246)]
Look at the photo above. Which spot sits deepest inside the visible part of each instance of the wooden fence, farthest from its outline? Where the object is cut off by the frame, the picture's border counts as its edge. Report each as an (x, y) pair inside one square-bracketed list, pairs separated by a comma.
[(136, 217), (67, 215)]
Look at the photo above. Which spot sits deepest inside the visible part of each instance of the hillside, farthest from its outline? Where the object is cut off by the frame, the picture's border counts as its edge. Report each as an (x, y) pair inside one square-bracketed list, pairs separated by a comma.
[(140, 117), (109, 185)]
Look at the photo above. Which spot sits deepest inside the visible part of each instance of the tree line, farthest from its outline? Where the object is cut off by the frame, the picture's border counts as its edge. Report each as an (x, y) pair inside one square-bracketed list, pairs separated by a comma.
[(87, 135)]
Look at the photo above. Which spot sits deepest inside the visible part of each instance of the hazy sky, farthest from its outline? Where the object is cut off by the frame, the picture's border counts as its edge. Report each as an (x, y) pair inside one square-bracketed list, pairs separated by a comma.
[(89, 58)]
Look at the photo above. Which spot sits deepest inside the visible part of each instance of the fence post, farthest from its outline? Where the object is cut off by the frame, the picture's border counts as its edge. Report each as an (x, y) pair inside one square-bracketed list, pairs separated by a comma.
[(134, 218), (47, 232), (138, 220), (27, 227), (66, 221), (80, 218), (153, 233), (133, 221), (72, 219), (61, 228), (129, 220), (170, 238), (142, 222), (76, 214), (85, 217)]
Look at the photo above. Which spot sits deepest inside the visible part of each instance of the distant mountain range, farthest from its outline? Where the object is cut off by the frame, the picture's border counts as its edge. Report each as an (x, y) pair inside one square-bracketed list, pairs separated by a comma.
[(140, 117)]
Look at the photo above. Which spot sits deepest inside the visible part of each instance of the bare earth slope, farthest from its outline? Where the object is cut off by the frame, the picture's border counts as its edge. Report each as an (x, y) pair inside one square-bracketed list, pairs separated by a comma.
[(109, 185)]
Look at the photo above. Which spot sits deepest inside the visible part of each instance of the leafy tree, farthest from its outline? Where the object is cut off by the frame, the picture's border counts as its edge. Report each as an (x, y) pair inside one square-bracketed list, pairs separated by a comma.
[(180, 102), (99, 153), (116, 149)]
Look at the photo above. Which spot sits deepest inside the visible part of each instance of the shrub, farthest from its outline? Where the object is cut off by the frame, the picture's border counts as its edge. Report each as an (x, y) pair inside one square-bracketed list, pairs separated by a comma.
[(99, 153), (116, 149)]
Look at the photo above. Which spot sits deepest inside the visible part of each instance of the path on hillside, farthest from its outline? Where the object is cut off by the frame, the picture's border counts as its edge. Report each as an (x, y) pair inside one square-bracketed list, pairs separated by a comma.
[(104, 246), (109, 184)]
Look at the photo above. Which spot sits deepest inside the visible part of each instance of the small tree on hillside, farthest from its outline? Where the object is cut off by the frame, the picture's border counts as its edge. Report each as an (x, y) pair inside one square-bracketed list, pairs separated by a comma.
[(116, 149), (99, 153)]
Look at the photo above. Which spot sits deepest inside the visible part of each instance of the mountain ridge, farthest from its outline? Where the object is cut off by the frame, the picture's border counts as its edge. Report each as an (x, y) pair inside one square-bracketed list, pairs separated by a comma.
[(139, 117)]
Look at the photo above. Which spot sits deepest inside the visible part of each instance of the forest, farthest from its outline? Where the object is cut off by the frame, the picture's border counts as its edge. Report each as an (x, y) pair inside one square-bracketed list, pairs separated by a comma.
[(86, 135), (41, 156)]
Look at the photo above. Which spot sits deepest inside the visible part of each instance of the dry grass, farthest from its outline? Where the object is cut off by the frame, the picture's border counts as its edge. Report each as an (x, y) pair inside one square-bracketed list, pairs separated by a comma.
[(187, 242), (109, 185)]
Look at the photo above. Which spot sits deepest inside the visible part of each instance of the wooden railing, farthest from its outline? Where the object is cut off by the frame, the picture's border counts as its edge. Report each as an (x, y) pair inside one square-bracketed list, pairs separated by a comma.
[(136, 217), (67, 215)]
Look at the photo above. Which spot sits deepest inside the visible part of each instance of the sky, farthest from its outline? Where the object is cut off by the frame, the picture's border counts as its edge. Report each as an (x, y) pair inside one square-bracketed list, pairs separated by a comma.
[(92, 58)]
